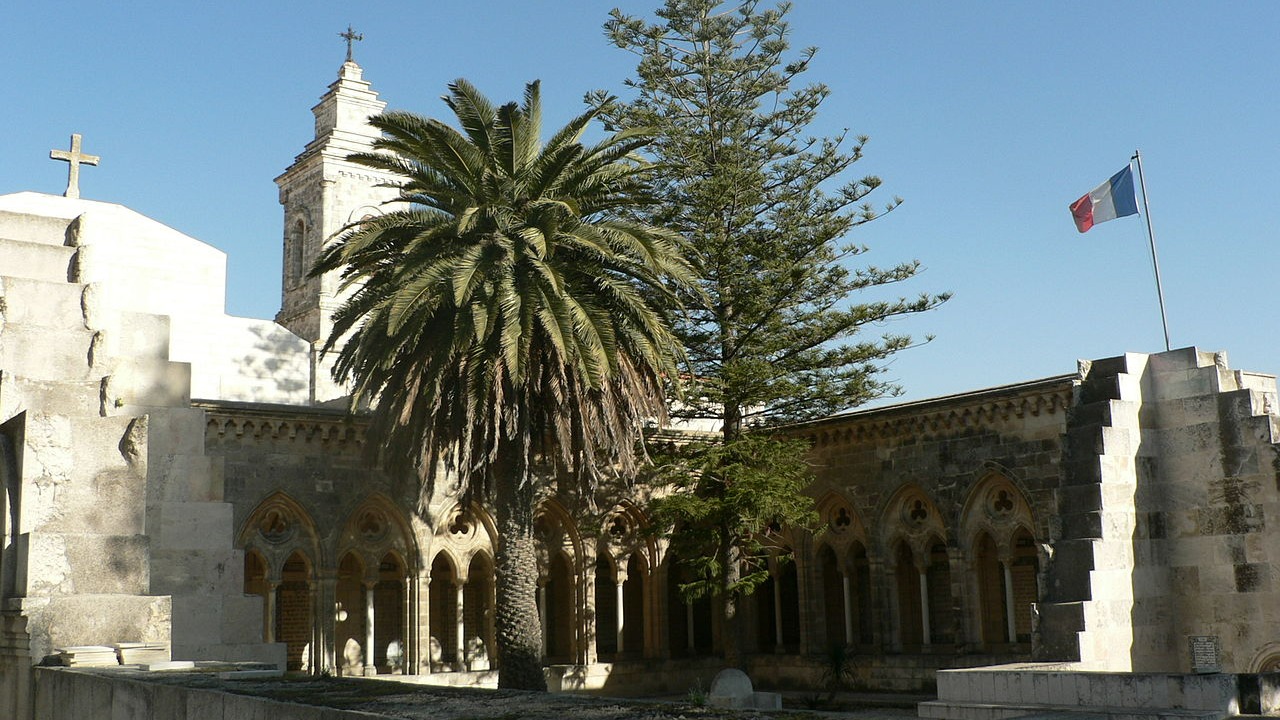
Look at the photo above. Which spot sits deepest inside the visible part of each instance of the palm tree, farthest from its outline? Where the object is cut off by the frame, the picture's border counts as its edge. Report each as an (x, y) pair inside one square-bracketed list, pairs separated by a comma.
[(507, 321)]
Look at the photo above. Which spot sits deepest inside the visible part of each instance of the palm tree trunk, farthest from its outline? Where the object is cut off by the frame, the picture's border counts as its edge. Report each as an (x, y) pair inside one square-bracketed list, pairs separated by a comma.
[(519, 633)]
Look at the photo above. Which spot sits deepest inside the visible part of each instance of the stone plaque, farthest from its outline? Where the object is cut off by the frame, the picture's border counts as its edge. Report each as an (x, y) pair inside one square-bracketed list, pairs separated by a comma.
[(1205, 654)]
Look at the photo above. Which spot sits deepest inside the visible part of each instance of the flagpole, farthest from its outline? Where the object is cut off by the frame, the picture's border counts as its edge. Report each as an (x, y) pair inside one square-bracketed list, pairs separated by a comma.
[(1146, 210)]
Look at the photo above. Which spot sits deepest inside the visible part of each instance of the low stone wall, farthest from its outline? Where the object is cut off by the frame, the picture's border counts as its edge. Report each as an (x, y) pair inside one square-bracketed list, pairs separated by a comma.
[(1008, 691), (71, 694), (904, 673)]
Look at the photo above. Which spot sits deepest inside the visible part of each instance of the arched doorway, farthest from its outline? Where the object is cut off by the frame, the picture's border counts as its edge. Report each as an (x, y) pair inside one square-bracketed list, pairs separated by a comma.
[(688, 623), (606, 608), (942, 616), (910, 610), (992, 601), (293, 619), (832, 582), (1024, 574), (478, 613), (389, 615), (281, 548), (349, 628), (444, 615), (560, 610), (635, 611), (861, 594)]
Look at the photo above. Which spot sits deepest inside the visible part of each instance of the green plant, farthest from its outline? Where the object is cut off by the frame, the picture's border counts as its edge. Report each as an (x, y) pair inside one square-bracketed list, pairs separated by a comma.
[(697, 695), (839, 672)]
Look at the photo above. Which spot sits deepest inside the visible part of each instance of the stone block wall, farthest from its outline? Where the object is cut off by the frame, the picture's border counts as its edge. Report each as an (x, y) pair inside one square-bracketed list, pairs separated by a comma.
[(917, 475)]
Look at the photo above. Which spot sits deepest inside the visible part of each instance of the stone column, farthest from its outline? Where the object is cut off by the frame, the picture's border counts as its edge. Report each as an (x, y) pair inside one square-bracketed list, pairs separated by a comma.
[(409, 639), (369, 668), (927, 639), (269, 613), (542, 612), (424, 623), (1009, 612), (848, 608), (324, 600), (894, 609), (459, 588), (777, 613), (620, 578)]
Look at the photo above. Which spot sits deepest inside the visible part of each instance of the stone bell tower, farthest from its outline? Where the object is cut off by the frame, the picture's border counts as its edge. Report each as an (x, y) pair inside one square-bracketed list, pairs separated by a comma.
[(322, 192)]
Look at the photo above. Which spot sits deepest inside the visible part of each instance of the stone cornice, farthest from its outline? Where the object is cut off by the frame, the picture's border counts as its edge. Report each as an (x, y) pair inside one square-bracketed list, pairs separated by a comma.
[(948, 414), (335, 428)]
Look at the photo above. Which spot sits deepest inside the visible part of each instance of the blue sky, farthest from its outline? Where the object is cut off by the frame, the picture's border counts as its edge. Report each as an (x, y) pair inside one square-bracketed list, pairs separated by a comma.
[(987, 118)]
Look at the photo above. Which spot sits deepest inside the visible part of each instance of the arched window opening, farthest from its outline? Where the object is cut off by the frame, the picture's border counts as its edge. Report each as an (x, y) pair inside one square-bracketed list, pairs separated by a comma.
[(477, 622), (635, 609), (688, 624), (789, 604), (606, 608), (942, 616), (389, 615), (350, 629), (1025, 572), (862, 620), (293, 620), (444, 615), (560, 610), (832, 582), (910, 610), (992, 600)]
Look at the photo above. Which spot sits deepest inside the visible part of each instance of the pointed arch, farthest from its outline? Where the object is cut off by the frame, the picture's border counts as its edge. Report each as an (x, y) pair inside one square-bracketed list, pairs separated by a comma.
[(442, 598), (293, 618), (478, 615), (910, 516), (556, 529), (997, 539), (351, 629), (995, 504), (465, 528), (375, 526), (621, 534), (842, 523), (278, 527)]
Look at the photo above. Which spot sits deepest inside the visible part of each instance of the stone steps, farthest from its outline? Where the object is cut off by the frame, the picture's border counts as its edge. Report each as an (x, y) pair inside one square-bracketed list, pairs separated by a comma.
[(33, 228), (983, 711), (37, 261), (45, 303), (43, 354)]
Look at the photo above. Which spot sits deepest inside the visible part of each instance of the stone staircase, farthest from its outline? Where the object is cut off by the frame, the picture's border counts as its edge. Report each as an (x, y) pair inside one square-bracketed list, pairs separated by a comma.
[(1044, 690), (1089, 595), (120, 533)]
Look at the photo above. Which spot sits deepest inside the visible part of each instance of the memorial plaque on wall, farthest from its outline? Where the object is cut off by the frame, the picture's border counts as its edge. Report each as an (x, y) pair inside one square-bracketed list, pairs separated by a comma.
[(1205, 654)]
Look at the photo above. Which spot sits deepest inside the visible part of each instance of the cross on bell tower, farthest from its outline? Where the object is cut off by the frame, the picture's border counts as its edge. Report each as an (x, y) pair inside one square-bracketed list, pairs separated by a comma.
[(350, 36), (74, 158)]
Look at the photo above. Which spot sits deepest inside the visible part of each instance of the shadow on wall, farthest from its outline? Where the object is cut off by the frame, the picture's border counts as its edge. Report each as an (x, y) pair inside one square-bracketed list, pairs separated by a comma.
[(278, 367)]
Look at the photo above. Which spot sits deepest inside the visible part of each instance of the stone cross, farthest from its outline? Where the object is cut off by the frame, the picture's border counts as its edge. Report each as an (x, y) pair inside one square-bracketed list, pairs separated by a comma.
[(74, 158), (350, 36)]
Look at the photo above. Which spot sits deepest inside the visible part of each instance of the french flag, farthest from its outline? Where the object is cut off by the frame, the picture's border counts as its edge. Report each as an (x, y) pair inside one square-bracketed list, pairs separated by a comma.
[(1110, 200)]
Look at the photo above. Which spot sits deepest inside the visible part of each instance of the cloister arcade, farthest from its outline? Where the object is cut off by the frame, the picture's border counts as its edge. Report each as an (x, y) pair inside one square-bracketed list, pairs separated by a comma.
[(910, 578)]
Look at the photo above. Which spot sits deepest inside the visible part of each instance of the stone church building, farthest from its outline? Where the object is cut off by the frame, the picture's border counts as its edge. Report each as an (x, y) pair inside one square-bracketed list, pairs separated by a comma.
[(172, 473)]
